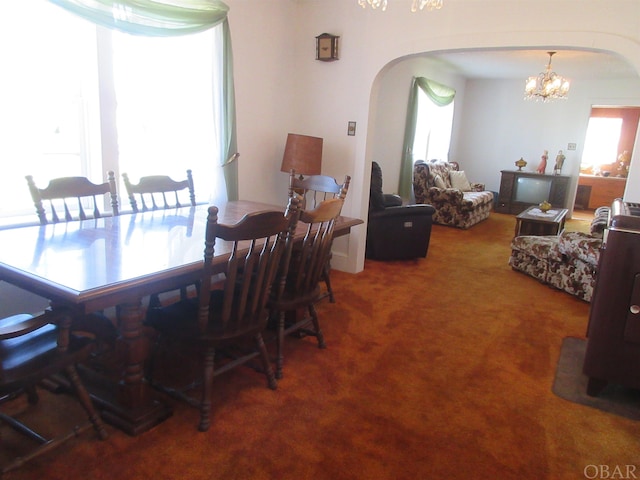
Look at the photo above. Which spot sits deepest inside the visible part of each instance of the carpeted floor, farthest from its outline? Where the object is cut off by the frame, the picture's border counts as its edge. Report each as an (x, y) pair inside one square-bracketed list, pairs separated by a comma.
[(437, 368)]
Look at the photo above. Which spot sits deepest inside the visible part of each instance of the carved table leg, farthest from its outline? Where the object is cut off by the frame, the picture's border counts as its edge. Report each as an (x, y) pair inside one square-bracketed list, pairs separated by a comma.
[(132, 406)]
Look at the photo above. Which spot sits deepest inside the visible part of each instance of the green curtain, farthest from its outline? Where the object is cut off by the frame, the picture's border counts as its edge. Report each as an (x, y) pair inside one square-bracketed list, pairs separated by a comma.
[(150, 18), (440, 95), (165, 18), (228, 143)]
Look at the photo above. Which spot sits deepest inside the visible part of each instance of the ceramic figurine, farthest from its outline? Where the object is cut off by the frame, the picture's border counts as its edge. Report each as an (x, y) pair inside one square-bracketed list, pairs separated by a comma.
[(559, 162), (543, 162)]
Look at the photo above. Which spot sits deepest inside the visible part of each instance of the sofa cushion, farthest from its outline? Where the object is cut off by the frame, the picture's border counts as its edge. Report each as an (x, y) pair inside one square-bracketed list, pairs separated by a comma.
[(600, 221), (438, 182), (537, 246), (459, 180), (472, 200), (580, 245), (441, 168)]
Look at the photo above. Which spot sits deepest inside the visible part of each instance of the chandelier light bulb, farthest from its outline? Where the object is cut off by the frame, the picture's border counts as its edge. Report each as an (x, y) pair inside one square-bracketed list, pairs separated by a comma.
[(547, 85), (415, 4), (429, 4), (375, 4)]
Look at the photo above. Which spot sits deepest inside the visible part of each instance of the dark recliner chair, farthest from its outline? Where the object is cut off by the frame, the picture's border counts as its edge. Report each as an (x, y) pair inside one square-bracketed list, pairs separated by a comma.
[(395, 231)]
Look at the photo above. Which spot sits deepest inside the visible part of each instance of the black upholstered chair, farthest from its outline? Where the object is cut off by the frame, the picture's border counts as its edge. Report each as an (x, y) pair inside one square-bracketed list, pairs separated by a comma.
[(32, 349), (395, 231)]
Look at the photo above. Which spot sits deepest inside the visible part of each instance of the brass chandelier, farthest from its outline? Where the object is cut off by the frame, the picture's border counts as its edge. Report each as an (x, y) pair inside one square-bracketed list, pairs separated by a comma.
[(415, 4), (547, 85)]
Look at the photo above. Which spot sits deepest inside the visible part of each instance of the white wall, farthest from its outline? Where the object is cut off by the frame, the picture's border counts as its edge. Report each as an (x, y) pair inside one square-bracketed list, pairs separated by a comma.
[(266, 106), (500, 127)]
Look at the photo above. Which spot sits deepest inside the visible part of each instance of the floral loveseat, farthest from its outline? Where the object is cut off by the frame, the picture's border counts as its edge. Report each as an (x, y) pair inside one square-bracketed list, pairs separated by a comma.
[(458, 203), (568, 262)]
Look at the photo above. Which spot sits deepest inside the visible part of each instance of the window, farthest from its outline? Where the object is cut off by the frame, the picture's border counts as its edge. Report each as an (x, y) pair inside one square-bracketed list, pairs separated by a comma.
[(155, 111), (601, 143), (433, 129), (610, 137)]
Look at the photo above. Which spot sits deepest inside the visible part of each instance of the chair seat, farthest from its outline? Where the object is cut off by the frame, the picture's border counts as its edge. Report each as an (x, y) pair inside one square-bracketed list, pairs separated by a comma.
[(179, 320), (290, 301), (34, 352), (33, 349)]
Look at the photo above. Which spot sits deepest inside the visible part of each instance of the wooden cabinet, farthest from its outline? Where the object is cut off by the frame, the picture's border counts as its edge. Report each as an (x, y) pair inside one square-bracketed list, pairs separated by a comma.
[(613, 344), (521, 190), (595, 191)]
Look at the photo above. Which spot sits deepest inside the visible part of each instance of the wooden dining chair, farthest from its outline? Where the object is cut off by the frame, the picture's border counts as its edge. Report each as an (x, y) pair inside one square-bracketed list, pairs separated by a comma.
[(315, 189), (70, 198), (159, 192), (257, 245), (306, 269), (33, 348)]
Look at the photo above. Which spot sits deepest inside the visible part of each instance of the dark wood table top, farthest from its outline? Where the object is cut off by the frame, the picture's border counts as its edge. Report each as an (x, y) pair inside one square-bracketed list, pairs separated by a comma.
[(100, 263)]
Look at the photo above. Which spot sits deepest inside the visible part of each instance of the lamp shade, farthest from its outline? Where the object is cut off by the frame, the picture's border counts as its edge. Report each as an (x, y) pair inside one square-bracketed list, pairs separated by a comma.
[(303, 154)]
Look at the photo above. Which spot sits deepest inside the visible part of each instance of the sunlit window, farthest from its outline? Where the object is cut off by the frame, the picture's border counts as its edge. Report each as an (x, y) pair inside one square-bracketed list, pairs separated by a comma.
[(45, 97), (601, 143), (55, 123), (433, 129), (164, 111)]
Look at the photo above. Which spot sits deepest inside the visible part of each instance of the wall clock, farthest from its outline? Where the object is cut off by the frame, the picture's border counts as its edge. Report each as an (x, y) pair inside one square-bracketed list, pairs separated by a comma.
[(327, 47)]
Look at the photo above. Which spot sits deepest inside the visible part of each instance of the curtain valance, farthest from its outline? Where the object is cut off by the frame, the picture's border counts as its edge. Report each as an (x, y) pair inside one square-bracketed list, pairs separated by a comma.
[(438, 93), (153, 18)]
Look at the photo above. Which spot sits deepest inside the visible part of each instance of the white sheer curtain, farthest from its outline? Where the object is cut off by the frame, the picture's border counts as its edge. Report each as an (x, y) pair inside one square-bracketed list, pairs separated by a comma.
[(166, 111), (433, 130)]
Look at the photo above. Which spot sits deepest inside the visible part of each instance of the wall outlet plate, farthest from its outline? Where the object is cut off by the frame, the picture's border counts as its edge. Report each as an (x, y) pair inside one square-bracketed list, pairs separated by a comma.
[(571, 146)]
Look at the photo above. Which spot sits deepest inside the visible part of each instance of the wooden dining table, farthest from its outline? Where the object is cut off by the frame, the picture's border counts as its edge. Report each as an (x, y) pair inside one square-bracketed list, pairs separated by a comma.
[(93, 265)]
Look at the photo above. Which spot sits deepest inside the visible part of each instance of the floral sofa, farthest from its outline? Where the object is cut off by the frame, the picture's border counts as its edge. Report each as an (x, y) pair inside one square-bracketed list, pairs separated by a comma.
[(458, 203), (568, 262)]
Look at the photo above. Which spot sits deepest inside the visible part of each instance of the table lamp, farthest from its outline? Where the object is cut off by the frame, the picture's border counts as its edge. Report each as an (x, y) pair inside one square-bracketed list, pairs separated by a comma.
[(303, 154)]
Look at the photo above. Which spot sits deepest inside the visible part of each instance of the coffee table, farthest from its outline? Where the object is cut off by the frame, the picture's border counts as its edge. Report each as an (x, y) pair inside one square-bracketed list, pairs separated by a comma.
[(534, 221)]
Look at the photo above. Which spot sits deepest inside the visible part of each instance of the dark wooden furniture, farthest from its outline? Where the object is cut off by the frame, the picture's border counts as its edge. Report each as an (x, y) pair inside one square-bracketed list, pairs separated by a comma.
[(315, 189), (237, 309), (33, 348), (69, 198), (534, 222), (613, 337), (117, 261), (150, 193), (510, 182), (597, 191), (302, 287)]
